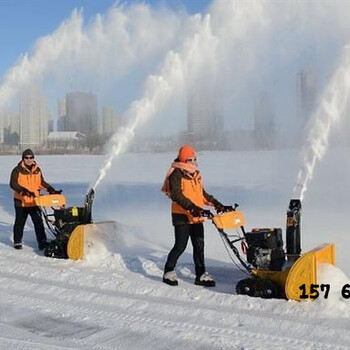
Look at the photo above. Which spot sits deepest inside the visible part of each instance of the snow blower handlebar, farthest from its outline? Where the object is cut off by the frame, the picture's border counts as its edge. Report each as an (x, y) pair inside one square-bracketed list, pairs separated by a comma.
[(229, 219), (224, 209), (53, 191), (207, 214), (228, 208)]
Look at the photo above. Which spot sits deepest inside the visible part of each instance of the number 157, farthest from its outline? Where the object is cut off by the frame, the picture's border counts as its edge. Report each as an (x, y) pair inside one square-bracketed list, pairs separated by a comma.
[(314, 293)]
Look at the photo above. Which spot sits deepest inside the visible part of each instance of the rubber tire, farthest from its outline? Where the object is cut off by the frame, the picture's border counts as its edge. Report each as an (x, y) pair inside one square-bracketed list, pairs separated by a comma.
[(246, 286), (55, 250), (270, 290), (48, 251)]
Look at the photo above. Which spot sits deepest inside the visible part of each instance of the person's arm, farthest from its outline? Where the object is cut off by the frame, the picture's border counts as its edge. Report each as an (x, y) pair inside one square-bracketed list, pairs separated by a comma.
[(211, 200), (14, 181), (176, 192)]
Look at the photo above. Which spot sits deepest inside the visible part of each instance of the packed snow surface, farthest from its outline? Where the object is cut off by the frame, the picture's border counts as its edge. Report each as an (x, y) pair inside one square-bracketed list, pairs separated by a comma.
[(115, 298)]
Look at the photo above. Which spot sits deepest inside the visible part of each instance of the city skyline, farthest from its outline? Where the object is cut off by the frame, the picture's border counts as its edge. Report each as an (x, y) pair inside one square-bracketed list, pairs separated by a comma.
[(32, 120), (79, 112)]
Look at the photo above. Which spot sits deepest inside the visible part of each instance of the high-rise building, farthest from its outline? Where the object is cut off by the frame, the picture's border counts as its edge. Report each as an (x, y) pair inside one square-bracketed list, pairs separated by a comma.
[(109, 121), (51, 126), (61, 114), (34, 118), (9, 127), (306, 94), (81, 113), (61, 107), (264, 123), (204, 114)]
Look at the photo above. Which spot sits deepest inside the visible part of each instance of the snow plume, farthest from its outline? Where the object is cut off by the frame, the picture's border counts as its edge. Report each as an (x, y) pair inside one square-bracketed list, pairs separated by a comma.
[(152, 55), (159, 89), (198, 55), (332, 106), (78, 55), (157, 92), (337, 280)]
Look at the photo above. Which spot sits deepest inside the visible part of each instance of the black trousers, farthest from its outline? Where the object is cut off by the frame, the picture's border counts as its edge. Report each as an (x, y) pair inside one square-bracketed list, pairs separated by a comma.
[(182, 233), (21, 218)]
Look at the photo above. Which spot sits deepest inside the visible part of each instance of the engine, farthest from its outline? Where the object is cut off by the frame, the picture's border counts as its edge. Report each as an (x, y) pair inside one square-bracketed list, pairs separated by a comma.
[(265, 248)]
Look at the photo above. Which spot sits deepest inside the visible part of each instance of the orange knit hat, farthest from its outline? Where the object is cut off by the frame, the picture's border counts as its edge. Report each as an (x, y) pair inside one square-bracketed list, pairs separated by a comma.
[(186, 152)]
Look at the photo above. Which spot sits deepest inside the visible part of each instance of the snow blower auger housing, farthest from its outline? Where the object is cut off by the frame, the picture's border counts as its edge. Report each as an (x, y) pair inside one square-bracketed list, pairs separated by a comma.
[(273, 272), (70, 226)]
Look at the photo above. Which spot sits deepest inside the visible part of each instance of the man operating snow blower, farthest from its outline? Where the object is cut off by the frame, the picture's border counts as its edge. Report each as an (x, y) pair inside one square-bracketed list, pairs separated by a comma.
[(26, 181), (183, 184)]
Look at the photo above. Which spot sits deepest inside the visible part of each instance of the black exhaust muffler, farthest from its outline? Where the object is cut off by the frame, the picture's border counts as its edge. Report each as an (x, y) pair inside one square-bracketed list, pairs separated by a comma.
[(293, 229), (89, 198)]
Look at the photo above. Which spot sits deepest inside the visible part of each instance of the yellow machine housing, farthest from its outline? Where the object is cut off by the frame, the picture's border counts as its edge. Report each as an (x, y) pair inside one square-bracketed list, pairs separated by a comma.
[(72, 227), (294, 274), (86, 237), (51, 200)]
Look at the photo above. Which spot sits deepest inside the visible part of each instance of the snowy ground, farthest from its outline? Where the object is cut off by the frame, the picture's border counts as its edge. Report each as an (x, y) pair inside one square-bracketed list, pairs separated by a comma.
[(114, 299)]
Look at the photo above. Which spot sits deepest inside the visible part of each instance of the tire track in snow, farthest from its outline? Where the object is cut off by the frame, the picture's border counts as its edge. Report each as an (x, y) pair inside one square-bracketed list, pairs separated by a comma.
[(14, 338), (142, 325), (15, 344), (125, 315), (155, 292), (156, 295)]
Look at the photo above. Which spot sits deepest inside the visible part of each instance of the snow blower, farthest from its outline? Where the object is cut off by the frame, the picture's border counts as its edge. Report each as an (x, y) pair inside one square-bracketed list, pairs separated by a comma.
[(274, 273), (71, 227)]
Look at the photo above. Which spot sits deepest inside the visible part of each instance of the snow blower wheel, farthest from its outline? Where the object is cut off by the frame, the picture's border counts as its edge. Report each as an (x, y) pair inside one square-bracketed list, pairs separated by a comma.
[(270, 290), (56, 250), (246, 286)]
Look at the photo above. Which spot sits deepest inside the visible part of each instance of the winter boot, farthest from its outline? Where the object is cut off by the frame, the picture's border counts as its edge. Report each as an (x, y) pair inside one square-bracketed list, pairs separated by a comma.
[(205, 280), (170, 278), (18, 246)]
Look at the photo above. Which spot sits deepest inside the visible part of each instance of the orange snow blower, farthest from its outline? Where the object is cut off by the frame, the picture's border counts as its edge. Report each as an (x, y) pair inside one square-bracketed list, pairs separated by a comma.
[(273, 272), (72, 227)]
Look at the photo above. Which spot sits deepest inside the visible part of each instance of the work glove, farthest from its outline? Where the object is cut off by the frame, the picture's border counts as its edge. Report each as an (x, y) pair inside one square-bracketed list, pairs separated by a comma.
[(28, 193), (220, 208), (208, 214), (51, 190), (196, 211)]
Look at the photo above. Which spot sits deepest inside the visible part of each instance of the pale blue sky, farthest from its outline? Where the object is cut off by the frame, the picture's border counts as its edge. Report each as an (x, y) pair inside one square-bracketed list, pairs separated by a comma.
[(22, 22)]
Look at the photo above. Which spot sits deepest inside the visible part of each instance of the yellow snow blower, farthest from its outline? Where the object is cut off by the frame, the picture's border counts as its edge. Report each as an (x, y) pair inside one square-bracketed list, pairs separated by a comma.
[(72, 227), (274, 273)]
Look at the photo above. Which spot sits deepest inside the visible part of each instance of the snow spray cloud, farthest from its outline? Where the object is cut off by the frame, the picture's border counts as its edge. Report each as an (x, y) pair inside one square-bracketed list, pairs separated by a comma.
[(157, 92), (225, 46), (242, 45), (332, 106), (105, 49), (110, 46), (159, 88), (220, 47), (197, 56)]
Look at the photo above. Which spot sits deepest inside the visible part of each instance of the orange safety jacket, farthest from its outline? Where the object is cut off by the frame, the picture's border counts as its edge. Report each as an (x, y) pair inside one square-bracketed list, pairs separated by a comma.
[(23, 178), (186, 191)]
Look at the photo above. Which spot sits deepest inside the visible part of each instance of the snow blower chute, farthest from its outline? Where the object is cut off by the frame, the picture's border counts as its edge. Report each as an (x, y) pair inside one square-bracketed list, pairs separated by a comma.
[(274, 273), (72, 227)]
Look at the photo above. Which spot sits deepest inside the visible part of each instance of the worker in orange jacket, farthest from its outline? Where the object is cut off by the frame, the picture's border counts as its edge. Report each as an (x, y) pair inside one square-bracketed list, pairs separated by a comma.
[(183, 184), (26, 181)]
